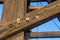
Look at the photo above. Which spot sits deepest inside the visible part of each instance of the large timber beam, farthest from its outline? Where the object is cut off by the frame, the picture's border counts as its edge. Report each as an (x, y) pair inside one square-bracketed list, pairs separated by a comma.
[(13, 9), (19, 36), (22, 8), (44, 34), (9, 10), (46, 13)]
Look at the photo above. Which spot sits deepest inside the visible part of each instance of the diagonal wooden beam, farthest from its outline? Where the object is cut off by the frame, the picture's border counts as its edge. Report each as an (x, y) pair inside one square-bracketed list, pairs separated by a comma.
[(19, 36), (45, 13), (44, 34)]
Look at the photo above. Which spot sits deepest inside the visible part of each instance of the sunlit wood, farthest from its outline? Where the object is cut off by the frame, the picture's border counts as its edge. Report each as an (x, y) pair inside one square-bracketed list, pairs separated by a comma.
[(13, 9), (10, 29), (45, 34), (45, 14), (35, 7)]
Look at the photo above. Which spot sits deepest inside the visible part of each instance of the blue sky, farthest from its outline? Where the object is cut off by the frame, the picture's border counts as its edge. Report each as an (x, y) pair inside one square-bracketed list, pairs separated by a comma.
[(1, 8), (46, 27), (38, 3), (49, 26)]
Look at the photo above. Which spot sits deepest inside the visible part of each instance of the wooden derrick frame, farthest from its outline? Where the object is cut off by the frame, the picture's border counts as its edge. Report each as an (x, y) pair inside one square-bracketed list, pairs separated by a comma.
[(45, 34), (12, 7), (41, 35), (33, 21)]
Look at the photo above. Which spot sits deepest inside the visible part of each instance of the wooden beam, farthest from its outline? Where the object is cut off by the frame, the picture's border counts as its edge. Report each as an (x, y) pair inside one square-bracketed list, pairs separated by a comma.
[(35, 7), (10, 9), (22, 8), (15, 9), (44, 34), (19, 36), (46, 13)]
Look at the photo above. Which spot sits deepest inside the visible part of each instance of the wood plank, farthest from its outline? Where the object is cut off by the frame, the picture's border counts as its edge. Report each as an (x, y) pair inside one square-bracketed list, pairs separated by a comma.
[(9, 10), (22, 8), (15, 9), (44, 34), (35, 7), (19, 36), (45, 13)]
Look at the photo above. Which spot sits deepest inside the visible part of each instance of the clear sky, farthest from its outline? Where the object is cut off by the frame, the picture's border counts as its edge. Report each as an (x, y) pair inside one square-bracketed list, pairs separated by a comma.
[(1, 8), (46, 27), (49, 26)]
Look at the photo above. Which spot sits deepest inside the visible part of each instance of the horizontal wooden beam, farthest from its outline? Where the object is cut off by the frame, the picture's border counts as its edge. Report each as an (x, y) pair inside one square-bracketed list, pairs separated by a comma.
[(35, 7), (44, 34), (46, 13)]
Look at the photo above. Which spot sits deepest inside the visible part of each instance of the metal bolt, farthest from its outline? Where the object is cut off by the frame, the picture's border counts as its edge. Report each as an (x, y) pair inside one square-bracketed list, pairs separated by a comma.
[(37, 17), (27, 19), (18, 20)]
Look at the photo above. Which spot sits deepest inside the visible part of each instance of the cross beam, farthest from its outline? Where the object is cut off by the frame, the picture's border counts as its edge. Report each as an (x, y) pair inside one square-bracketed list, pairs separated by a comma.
[(45, 13), (44, 34), (35, 7)]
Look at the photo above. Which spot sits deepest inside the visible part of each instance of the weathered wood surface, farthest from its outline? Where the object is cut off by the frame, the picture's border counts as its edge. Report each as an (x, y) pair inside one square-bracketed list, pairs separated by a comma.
[(8, 11), (13, 9), (22, 8), (44, 34), (19, 36), (44, 13), (35, 7)]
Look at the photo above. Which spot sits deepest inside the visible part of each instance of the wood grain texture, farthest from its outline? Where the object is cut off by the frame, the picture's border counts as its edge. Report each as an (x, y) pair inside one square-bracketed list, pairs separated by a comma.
[(19, 36), (13, 9), (9, 11), (22, 8), (44, 34), (35, 7), (44, 13)]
